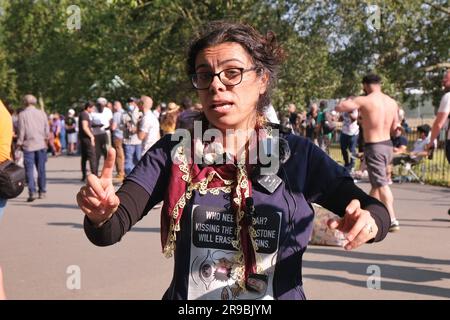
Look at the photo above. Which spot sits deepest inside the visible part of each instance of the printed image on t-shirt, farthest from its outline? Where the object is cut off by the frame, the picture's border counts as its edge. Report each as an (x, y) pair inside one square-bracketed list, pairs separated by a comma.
[(213, 260)]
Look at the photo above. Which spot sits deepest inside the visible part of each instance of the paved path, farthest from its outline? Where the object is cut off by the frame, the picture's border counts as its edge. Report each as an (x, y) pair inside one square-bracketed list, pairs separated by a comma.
[(41, 240)]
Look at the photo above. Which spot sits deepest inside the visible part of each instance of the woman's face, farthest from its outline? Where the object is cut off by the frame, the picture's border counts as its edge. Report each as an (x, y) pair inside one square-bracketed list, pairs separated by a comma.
[(230, 107)]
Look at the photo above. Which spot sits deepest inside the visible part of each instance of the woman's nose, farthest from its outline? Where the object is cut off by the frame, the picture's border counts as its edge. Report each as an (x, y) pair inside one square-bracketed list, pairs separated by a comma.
[(216, 85)]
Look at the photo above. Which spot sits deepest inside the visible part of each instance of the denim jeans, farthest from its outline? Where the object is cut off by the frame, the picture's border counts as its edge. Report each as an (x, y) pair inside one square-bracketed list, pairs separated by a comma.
[(35, 158), (348, 142), (2, 207), (132, 156)]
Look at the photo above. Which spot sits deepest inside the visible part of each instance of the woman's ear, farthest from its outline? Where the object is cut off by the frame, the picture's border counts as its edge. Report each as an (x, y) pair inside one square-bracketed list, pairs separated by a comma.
[(264, 82)]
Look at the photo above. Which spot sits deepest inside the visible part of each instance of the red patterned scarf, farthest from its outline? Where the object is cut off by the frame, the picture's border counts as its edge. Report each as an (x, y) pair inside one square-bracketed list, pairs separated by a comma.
[(185, 178)]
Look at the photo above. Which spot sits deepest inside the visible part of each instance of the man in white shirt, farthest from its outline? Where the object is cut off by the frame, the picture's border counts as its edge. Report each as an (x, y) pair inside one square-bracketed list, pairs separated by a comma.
[(420, 150), (100, 127), (349, 137), (149, 125), (103, 114), (442, 116), (105, 117), (420, 146)]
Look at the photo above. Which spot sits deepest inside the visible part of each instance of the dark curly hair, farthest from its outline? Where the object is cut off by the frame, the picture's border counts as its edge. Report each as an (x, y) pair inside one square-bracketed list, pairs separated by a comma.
[(265, 52)]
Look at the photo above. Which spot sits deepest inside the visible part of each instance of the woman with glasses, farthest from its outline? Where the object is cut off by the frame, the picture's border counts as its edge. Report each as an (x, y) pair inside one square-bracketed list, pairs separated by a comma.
[(236, 189)]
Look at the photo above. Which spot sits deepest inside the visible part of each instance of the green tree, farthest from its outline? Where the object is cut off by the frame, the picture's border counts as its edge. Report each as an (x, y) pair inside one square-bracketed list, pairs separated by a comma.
[(329, 45)]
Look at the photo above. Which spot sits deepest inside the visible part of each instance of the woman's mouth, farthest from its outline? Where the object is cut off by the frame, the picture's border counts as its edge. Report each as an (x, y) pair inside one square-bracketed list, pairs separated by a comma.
[(222, 107)]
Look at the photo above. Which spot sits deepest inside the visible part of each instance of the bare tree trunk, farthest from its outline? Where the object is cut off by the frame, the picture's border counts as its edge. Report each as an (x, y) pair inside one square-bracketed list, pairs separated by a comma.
[(41, 101), (438, 66), (438, 7)]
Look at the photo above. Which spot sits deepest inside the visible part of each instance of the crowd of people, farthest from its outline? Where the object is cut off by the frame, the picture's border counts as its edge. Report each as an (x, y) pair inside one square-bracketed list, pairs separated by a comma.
[(131, 131), (90, 132)]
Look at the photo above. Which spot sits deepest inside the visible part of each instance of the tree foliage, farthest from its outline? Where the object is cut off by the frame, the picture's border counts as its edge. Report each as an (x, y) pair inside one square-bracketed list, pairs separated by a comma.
[(132, 47)]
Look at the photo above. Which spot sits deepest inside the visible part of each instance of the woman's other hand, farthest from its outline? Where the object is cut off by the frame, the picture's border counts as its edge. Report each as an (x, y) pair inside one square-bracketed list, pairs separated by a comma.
[(357, 224)]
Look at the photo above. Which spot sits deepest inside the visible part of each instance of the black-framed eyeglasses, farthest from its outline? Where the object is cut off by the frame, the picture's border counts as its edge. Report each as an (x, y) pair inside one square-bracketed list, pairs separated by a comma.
[(229, 77)]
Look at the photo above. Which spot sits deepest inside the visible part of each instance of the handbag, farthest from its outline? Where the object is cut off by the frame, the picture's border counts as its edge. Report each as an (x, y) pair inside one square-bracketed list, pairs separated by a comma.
[(12, 179)]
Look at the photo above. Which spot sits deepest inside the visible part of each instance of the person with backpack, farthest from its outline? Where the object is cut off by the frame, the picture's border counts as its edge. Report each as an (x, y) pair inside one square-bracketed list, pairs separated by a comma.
[(325, 127), (132, 145)]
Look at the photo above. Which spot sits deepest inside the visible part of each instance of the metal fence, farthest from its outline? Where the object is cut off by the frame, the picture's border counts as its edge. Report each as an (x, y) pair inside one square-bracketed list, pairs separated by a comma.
[(432, 171)]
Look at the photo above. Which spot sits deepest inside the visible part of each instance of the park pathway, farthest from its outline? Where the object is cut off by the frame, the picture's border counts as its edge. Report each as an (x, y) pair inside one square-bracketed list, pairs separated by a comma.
[(42, 243)]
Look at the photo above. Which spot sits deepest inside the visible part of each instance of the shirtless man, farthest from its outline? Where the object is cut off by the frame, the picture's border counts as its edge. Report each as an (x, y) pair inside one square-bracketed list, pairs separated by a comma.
[(379, 118)]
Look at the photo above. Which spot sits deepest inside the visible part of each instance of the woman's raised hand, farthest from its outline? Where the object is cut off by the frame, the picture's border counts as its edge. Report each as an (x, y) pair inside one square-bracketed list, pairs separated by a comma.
[(97, 199)]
